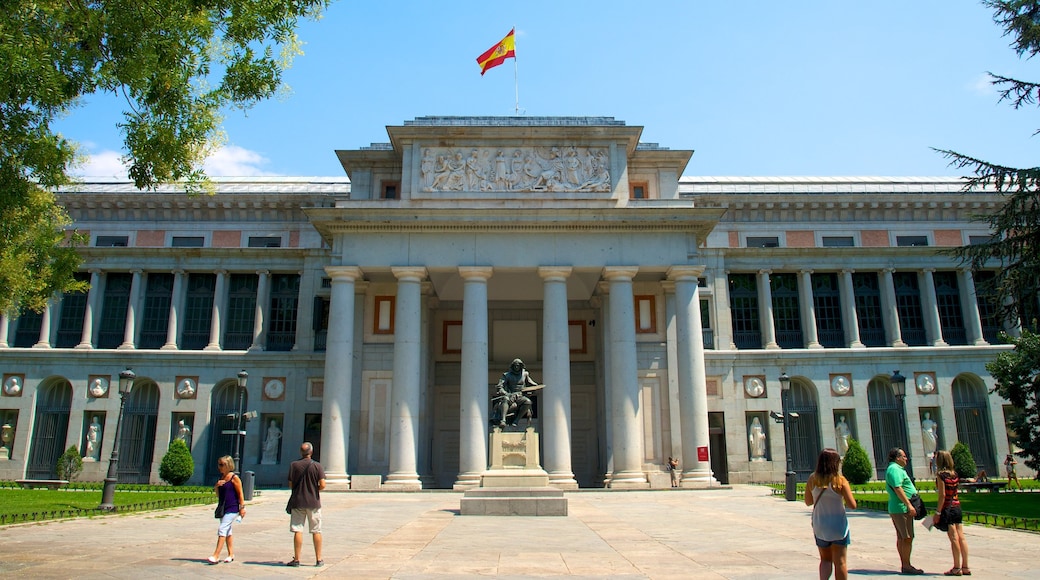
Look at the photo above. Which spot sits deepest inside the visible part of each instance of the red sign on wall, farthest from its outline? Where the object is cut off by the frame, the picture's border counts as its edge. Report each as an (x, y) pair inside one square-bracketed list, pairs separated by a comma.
[(702, 453)]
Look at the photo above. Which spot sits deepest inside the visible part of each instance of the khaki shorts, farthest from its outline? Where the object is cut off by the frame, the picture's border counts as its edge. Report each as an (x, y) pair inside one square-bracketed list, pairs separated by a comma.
[(904, 524), (312, 517)]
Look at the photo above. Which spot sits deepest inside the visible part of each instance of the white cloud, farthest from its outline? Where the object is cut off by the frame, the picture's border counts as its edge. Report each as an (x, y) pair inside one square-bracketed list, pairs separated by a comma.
[(235, 161), (983, 85), (230, 161)]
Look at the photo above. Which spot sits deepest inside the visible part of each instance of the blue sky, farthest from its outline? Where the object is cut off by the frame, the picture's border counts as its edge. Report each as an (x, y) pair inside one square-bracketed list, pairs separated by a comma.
[(760, 88)]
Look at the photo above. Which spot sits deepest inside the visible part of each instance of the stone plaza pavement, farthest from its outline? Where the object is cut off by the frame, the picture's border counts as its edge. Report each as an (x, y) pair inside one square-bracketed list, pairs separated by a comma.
[(730, 532)]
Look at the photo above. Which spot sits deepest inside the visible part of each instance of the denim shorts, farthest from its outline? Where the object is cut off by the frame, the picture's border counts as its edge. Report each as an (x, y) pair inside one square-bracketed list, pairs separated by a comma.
[(828, 543)]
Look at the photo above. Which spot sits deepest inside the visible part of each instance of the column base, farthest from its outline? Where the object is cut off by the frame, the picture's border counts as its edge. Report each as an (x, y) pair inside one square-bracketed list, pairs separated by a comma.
[(628, 480), (168, 346), (403, 482), (42, 345), (84, 346), (466, 481), (337, 482), (217, 347), (563, 481), (126, 346)]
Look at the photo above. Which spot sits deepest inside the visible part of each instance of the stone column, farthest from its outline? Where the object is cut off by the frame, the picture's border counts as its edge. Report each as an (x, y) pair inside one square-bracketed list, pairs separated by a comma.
[(808, 308), (86, 340), (889, 309), (219, 299), (473, 396), (930, 310), (765, 310), (339, 375), (263, 300), (176, 302), (848, 307), (404, 392), (45, 326), (621, 341), (305, 313), (693, 380), (556, 373), (5, 329), (970, 308), (130, 329)]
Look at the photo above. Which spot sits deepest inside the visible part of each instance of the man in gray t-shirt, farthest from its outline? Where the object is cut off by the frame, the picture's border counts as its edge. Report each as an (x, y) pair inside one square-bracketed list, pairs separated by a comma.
[(306, 479)]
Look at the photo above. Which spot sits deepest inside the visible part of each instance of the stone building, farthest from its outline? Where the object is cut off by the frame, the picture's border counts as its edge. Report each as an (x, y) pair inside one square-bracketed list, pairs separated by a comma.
[(374, 313)]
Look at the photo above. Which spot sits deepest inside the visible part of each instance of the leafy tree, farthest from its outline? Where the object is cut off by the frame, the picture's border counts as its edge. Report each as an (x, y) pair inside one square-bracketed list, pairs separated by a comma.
[(177, 465), (177, 63), (69, 464), (856, 465), (1013, 249), (1017, 376), (963, 461)]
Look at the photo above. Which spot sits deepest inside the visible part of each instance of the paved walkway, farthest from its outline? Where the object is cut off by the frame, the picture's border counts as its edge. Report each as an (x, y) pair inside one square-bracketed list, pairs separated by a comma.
[(739, 532)]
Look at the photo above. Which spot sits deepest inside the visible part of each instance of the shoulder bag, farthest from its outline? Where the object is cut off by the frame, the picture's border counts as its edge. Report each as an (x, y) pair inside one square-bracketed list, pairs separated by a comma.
[(919, 507)]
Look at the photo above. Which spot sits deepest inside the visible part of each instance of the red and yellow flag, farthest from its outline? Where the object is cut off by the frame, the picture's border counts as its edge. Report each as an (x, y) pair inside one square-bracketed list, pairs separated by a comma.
[(497, 54)]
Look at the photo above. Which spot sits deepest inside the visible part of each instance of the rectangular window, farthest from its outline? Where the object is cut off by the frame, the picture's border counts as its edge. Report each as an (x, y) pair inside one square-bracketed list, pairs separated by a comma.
[(989, 308), (830, 331), (391, 189), (112, 241), (637, 190), (868, 308), (707, 333), (113, 309), (787, 312), (763, 242), (158, 296), (908, 306), (285, 299), (70, 323), (320, 323), (743, 305), (951, 317), (838, 242), (906, 241), (265, 241), (979, 240), (188, 242), (646, 314), (383, 318), (241, 311), (28, 331), (198, 311)]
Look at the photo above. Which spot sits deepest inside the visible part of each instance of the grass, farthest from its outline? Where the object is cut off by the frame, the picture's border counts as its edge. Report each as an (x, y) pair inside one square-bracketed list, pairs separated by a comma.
[(26, 501)]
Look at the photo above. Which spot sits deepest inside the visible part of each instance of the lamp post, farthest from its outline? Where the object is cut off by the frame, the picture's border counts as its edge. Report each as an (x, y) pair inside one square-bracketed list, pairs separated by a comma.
[(790, 482), (126, 382), (243, 376), (899, 386)]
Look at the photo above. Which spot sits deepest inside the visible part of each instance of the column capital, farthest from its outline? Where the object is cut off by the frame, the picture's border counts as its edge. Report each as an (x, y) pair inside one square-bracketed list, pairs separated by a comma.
[(806, 271), (136, 271), (475, 272), (848, 270), (928, 270), (764, 272), (220, 272), (677, 273), (416, 273), (178, 271), (263, 272), (554, 272), (345, 273), (620, 272)]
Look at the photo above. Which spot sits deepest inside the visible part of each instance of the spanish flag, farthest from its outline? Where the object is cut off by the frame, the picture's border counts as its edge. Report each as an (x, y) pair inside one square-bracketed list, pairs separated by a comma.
[(498, 54)]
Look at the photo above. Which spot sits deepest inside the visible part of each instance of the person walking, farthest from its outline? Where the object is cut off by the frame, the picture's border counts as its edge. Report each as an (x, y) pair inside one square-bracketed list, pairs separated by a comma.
[(1012, 475), (829, 493), (229, 493), (948, 516), (900, 489), (307, 480)]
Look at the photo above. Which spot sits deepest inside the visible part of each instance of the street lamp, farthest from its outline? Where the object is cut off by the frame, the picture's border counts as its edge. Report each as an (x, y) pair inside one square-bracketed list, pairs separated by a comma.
[(790, 481), (899, 386), (126, 382), (243, 376)]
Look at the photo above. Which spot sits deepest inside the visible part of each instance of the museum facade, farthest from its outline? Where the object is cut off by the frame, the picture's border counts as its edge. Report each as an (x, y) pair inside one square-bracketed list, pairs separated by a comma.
[(373, 315)]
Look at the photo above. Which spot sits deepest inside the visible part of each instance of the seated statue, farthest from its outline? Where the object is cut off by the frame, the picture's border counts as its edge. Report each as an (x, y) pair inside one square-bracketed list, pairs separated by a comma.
[(510, 402)]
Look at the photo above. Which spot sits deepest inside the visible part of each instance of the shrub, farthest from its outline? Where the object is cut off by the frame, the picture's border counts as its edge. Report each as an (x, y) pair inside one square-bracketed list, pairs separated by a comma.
[(177, 465), (963, 461), (856, 465), (69, 464)]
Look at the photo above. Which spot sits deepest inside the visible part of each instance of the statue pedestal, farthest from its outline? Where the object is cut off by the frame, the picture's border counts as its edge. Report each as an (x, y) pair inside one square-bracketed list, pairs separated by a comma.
[(515, 484)]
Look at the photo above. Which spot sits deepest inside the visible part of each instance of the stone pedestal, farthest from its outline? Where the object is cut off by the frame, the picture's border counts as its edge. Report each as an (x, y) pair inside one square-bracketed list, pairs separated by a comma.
[(515, 484)]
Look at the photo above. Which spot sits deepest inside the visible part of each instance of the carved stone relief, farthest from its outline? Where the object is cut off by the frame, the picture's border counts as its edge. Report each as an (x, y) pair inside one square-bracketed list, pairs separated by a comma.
[(529, 169)]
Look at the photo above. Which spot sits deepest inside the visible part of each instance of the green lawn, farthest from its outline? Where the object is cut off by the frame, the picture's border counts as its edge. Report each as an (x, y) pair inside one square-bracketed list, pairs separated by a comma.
[(28, 501)]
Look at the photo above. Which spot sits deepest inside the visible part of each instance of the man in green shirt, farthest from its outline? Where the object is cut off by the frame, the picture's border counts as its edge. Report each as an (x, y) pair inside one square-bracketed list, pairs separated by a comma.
[(900, 489)]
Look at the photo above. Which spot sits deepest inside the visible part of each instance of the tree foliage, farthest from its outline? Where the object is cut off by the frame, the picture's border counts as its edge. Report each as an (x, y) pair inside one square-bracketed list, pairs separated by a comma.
[(856, 464), (1015, 246), (177, 63), (177, 465), (1017, 376), (69, 464), (963, 461)]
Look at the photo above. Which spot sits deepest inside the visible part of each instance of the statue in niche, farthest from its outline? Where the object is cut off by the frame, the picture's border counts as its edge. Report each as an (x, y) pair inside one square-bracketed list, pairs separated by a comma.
[(426, 169), (92, 451), (929, 435), (841, 435), (274, 435), (184, 433), (757, 440), (511, 402), (6, 437)]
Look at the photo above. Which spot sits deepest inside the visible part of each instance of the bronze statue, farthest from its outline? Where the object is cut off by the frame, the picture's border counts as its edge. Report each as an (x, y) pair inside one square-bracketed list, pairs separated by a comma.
[(510, 401)]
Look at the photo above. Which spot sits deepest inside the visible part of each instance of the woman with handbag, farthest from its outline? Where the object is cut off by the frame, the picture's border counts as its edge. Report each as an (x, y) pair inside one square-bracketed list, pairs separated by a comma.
[(230, 505), (948, 516), (829, 493)]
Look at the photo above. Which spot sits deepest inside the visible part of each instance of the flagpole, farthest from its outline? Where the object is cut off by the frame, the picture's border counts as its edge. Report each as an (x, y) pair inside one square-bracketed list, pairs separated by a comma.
[(516, 74)]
